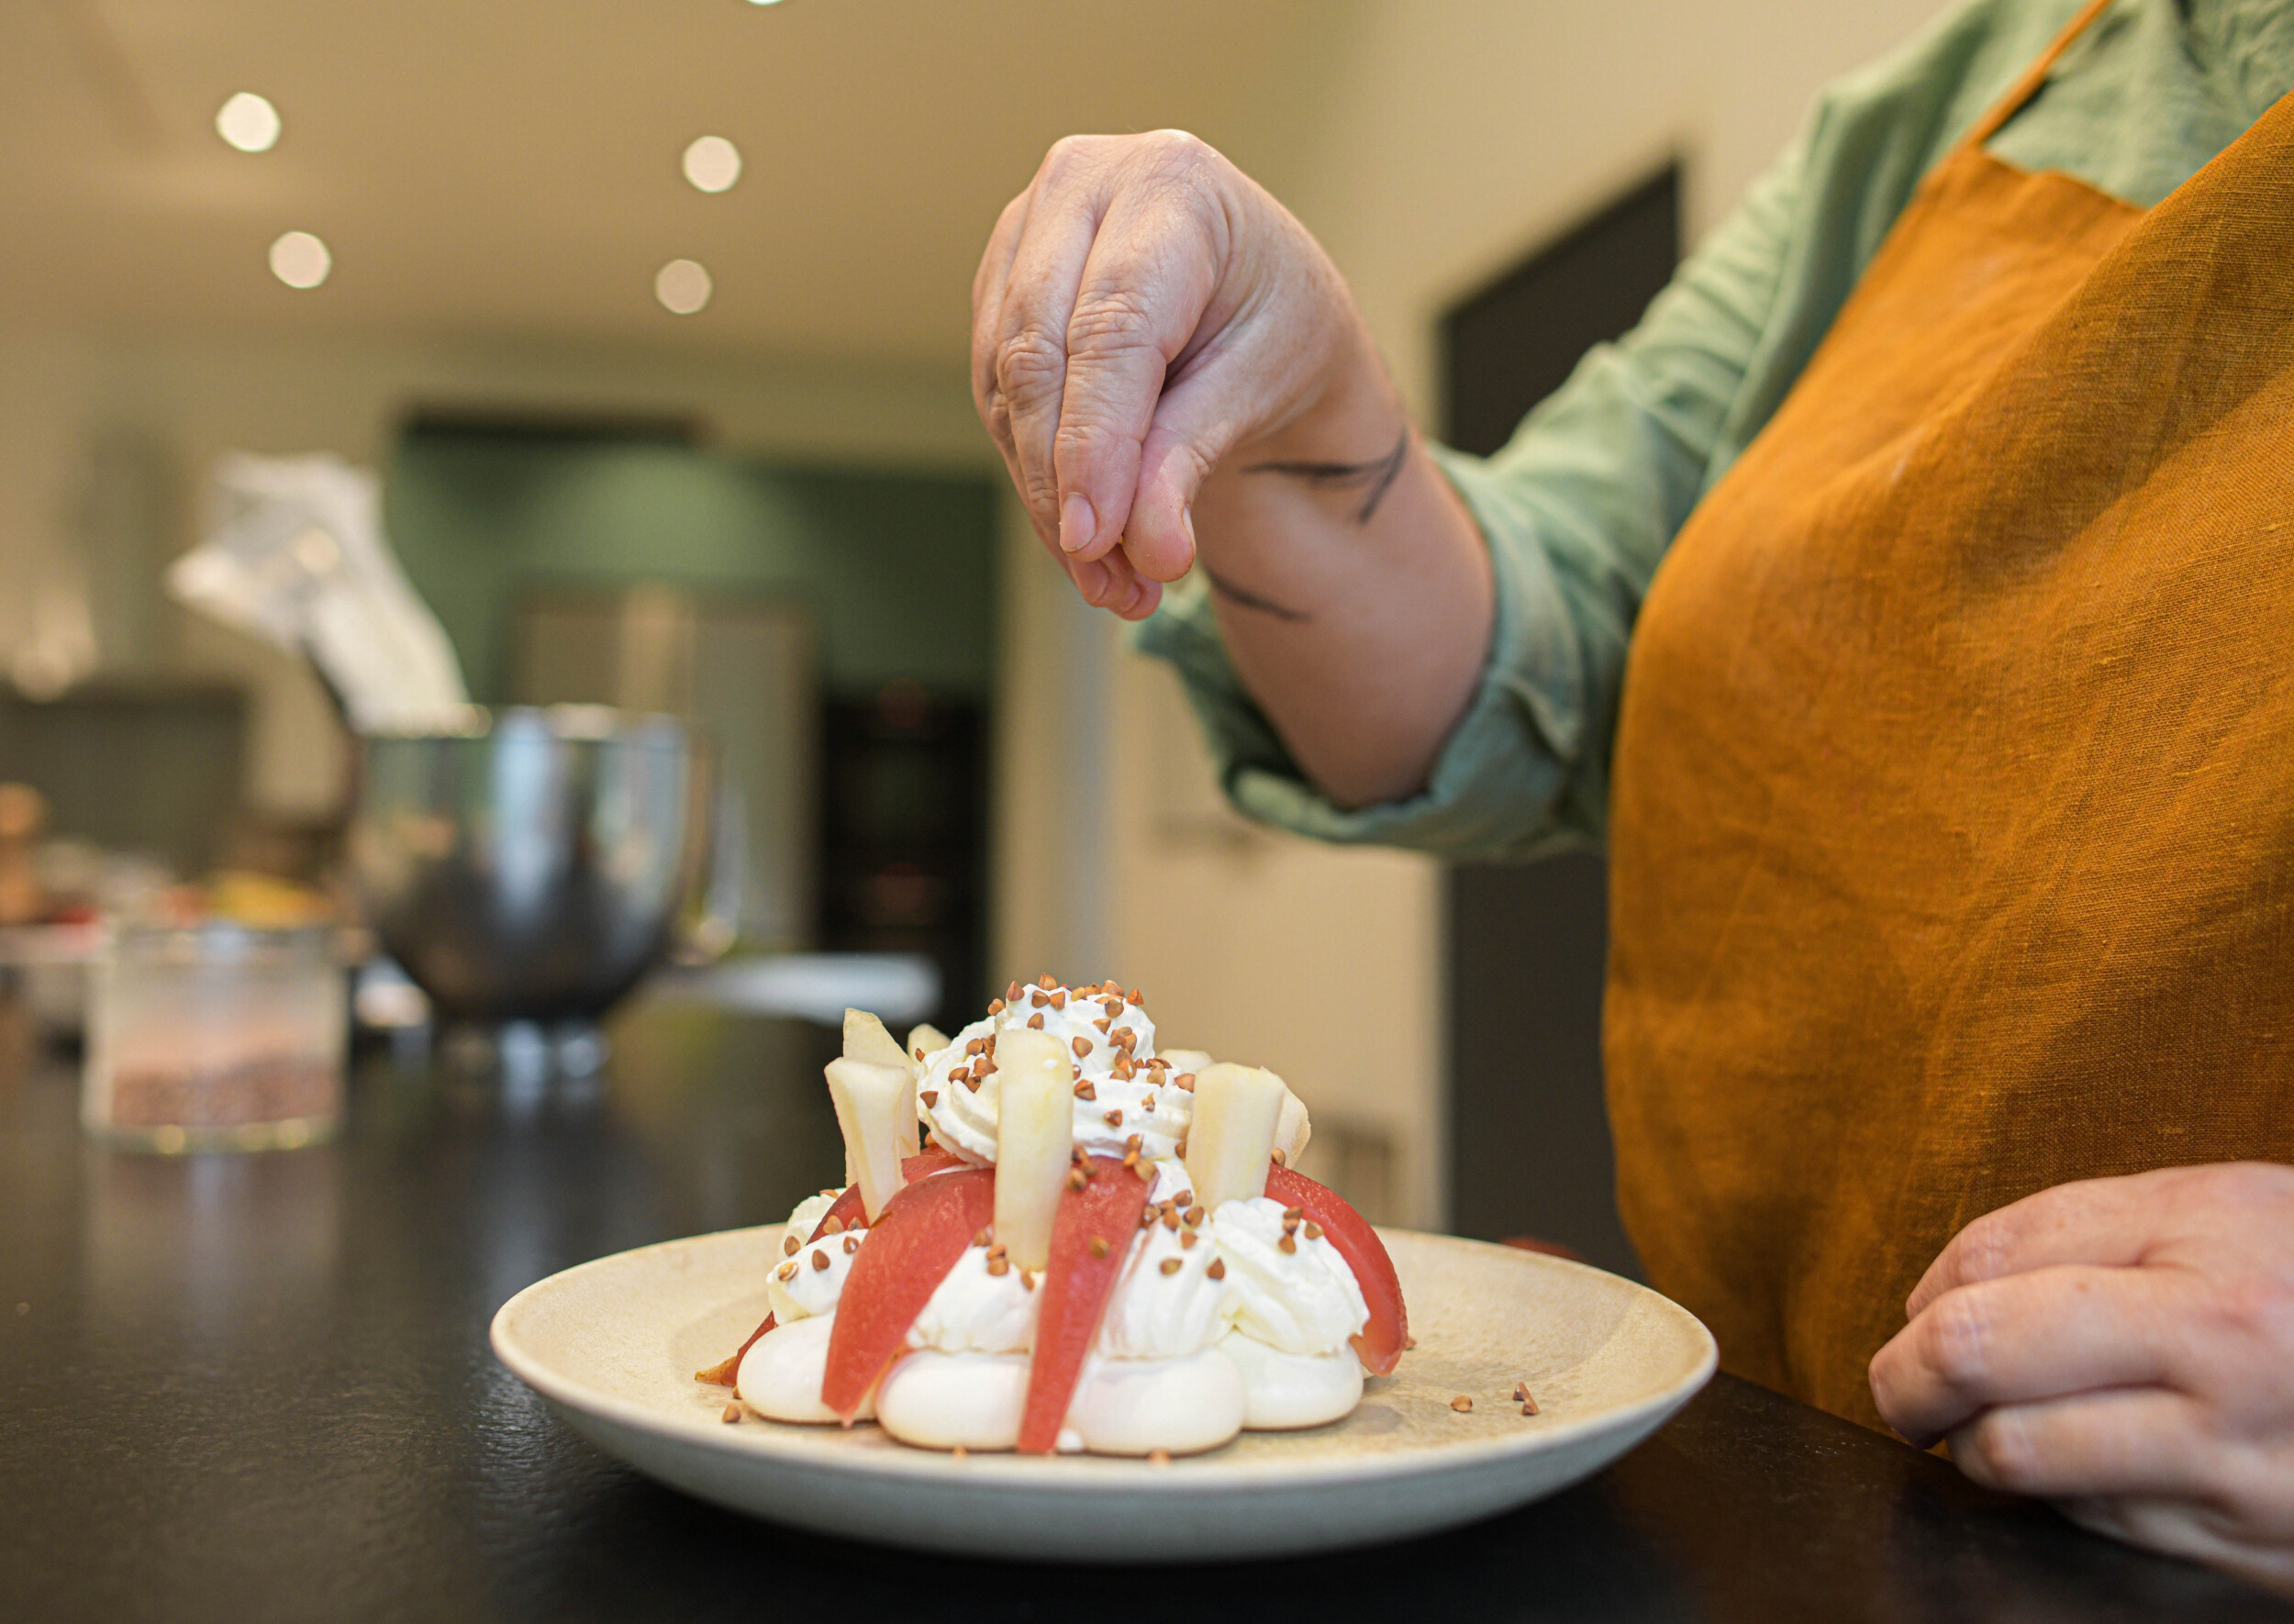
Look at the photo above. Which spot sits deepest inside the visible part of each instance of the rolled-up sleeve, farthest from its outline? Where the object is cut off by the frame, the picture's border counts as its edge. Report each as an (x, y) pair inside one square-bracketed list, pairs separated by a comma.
[(1577, 511)]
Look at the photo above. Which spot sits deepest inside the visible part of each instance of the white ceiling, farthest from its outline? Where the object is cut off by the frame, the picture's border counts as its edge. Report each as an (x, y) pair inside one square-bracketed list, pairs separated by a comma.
[(490, 168)]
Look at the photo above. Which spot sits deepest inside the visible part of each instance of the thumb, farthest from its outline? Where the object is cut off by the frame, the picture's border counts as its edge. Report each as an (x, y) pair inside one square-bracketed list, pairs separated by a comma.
[(1194, 427)]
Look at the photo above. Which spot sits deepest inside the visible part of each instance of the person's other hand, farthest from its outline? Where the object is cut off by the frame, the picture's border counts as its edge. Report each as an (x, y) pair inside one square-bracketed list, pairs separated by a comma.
[(1142, 309), (2125, 1348)]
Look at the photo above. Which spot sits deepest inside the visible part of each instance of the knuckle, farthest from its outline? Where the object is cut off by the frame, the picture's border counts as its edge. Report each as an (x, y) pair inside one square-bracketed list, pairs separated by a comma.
[(1999, 1450), (1108, 321), (1956, 1341), (1030, 363), (2256, 1308)]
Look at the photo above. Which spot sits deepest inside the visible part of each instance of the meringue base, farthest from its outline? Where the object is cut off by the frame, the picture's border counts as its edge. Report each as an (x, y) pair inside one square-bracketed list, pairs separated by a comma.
[(937, 1400), (1134, 1406), (1284, 1391), (780, 1376)]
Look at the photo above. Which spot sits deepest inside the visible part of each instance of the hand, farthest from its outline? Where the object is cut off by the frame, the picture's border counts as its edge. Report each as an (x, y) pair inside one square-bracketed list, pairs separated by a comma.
[(2125, 1347), (1142, 309)]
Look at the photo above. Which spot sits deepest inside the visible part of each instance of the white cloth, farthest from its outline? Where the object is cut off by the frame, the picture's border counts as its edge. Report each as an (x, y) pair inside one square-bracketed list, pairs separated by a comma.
[(294, 552)]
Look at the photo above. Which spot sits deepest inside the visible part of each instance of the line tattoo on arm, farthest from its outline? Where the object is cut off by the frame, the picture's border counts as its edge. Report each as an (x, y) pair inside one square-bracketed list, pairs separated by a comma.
[(1374, 478), (1245, 598)]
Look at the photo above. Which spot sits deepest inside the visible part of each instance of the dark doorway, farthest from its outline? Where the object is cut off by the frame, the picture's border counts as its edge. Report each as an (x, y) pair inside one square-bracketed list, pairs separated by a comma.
[(1528, 1132)]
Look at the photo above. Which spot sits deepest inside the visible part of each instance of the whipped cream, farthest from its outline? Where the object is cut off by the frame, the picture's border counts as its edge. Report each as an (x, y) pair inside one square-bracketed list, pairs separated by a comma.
[(1123, 1094), (1165, 1303), (809, 1280), (977, 1310), (1302, 1301)]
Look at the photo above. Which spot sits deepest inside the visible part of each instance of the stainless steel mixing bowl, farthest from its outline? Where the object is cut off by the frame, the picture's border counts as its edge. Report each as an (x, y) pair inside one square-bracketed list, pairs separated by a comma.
[(530, 866)]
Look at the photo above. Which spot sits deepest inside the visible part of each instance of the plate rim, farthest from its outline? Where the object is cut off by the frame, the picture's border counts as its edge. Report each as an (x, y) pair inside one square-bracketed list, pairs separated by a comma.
[(1088, 1474)]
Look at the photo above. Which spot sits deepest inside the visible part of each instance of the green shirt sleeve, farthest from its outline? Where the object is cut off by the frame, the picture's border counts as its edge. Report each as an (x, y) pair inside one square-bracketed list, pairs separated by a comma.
[(1579, 508)]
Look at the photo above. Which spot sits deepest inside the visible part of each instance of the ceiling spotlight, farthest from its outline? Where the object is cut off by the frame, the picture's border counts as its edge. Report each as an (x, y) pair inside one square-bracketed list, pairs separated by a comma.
[(300, 259), (247, 122), (682, 286), (713, 163)]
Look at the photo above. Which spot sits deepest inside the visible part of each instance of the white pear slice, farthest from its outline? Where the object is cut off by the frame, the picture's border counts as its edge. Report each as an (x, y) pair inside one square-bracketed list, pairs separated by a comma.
[(865, 1039), (1184, 1060), (1034, 1135), (1232, 1134), (1292, 1127), (928, 1038), (875, 1107)]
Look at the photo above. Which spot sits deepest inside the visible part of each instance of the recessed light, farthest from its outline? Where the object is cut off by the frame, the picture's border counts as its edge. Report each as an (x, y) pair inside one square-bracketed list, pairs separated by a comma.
[(682, 286), (713, 163), (247, 122), (300, 259)]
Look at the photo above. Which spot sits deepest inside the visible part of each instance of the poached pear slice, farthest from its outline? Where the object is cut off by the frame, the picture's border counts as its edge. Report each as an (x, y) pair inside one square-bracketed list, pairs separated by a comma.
[(928, 1038), (1232, 1134), (875, 1107), (866, 1039), (1034, 1142)]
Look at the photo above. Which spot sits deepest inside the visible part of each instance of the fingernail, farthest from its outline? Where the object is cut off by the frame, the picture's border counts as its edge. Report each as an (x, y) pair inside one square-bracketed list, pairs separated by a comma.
[(1186, 522), (1092, 580), (1078, 524)]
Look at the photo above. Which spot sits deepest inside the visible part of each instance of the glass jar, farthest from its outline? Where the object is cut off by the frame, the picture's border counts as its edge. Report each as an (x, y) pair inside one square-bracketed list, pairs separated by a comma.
[(216, 1037)]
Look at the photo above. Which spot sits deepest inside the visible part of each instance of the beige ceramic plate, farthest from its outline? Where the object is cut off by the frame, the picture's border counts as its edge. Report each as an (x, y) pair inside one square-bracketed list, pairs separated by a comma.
[(613, 1345)]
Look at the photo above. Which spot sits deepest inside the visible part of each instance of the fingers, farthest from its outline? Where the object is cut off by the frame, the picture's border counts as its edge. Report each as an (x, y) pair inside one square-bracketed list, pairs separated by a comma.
[(2029, 1336), (1144, 289), (2109, 1222), (2132, 1440), (1028, 356)]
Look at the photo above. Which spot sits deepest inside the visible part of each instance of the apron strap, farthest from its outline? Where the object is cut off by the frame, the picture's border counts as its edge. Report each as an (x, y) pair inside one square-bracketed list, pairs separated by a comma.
[(2034, 76)]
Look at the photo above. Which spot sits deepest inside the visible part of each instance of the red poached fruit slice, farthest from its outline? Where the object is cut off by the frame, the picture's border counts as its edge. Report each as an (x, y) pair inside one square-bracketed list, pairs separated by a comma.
[(933, 1158), (726, 1373), (847, 1213), (1382, 1341), (1090, 1234), (915, 1241)]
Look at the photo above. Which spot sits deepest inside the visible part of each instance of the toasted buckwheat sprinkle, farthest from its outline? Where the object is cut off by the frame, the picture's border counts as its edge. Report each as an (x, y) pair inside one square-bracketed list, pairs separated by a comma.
[(819, 1260), (832, 1226), (1314, 1230), (995, 1006), (1046, 983), (732, 1414), (1186, 1080), (851, 1244), (1187, 1238), (1289, 1243), (1026, 1280), (1081, 1045), (999, 1266), (789, 1244), (1170, 1265), (1083, 1090), (1281, 1160), (1159, 1457), (1099, 1247), (1461, 1403), (1114, 1119), (1217, 1270), (931, 1098), (1194, 1214), (1076, 1179), (786, 1270), (1036, 1022)]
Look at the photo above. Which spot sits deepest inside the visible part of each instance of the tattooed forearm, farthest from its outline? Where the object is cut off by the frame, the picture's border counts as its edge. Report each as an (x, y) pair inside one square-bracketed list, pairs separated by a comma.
[(1374, 479), (1246, 598)]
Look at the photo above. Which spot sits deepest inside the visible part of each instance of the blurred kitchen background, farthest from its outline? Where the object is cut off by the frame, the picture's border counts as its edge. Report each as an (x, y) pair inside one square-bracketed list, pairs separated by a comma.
[(687, 429)]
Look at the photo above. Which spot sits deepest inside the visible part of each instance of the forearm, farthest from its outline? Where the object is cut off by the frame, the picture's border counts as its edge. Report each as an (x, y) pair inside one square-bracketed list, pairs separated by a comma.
[(1353, 591)]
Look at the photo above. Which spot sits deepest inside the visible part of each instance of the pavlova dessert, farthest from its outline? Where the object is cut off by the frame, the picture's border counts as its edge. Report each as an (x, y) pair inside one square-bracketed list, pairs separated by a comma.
[(1096, 1247)]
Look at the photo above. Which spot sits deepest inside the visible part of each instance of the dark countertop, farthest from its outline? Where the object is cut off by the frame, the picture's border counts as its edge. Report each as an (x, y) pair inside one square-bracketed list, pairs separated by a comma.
[(259, 1388)]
